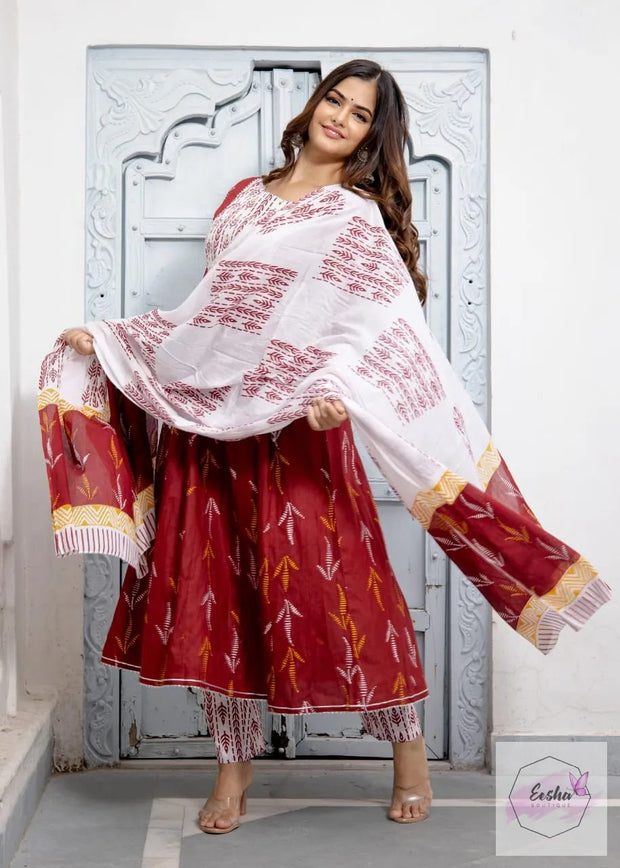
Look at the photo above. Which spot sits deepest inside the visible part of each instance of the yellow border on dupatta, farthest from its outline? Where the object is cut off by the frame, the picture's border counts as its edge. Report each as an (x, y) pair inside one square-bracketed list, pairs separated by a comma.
[(487, 464), (143, 504), (93, 515), (51, 396), (450, 486), (104, 515), (572, 583)]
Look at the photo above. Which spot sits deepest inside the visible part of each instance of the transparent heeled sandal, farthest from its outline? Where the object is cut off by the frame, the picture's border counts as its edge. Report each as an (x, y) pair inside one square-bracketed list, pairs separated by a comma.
[(423, 800), (234, 806)]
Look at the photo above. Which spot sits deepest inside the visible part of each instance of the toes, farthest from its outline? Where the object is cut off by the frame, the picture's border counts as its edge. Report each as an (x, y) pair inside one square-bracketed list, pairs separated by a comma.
[(410, 810), (215, 821), (223, 823), (205, 822)]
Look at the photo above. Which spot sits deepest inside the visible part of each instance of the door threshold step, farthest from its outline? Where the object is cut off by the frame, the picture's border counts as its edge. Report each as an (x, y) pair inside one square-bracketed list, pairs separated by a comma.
[(321, 764)]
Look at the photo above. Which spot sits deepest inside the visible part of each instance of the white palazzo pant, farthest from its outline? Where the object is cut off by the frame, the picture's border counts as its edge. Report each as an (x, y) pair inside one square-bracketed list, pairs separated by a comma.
[(237, 728)]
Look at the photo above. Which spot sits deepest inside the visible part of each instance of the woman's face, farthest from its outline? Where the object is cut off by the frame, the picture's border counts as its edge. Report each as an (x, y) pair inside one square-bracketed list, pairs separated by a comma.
[(342, 120)]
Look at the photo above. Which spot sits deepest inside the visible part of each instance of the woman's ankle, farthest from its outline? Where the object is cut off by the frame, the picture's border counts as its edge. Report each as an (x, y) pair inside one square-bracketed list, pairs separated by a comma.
[(232, 779), (410, 763), (239, 770)]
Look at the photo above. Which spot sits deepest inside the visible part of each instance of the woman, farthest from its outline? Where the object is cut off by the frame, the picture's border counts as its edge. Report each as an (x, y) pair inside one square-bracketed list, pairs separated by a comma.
[(266, 525), (357, 103)]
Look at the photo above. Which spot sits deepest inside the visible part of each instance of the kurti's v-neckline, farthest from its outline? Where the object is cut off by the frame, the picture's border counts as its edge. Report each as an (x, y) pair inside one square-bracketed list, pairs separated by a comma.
[(295, 201)]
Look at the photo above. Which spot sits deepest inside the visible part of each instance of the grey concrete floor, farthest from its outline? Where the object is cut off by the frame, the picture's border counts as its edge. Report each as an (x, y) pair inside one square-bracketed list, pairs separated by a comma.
[(302, 813)]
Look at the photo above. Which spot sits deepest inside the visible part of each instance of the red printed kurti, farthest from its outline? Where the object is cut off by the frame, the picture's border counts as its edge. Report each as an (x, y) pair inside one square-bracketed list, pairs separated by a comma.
[(269, 578)]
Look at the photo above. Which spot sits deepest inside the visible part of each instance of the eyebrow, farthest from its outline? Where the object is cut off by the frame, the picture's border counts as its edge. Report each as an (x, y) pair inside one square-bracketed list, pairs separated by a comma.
[(342, 96)]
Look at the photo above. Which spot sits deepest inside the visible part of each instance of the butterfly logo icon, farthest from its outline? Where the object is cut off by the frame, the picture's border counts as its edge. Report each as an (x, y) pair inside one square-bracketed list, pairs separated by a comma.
[(579, 784)]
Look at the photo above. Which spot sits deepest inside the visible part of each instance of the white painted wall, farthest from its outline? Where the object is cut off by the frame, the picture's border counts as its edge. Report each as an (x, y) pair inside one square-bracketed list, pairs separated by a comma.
[(8, 374), (555, 185)]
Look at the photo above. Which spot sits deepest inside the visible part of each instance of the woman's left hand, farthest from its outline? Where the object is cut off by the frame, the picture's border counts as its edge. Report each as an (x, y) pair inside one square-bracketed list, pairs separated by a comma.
[(323, 415)]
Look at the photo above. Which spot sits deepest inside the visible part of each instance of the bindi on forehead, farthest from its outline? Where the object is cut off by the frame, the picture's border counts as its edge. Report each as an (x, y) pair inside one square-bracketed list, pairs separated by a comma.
[(353, 100)]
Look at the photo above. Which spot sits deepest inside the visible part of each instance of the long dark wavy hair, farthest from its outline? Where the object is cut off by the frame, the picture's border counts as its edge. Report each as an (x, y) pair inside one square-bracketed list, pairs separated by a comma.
[(383, 176)]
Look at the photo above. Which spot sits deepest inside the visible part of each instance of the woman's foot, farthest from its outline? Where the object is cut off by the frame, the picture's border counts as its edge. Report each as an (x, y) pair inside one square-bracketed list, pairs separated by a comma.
[(412, 794), (221, 812)]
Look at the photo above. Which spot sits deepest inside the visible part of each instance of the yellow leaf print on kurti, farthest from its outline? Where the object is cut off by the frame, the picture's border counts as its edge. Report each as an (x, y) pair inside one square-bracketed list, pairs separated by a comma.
[(346, 623), (252, 530), (127, 641), (263, 577), (354, 494), (271, 683), (277, 463), (282, 570), (399, 686), (329, 520), (341, 617), (290, 662), (374, 580), (208, 554), (205, 654)]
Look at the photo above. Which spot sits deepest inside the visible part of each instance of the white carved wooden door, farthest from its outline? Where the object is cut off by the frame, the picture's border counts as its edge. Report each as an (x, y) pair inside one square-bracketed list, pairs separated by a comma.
[(204, 123)]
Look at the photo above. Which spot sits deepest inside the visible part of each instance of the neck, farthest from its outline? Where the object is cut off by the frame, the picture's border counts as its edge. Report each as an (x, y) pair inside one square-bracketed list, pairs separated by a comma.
[(310, 169)]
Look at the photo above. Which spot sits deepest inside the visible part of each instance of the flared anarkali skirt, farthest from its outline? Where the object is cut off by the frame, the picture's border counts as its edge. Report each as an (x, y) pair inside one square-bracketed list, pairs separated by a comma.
[(269, 578)]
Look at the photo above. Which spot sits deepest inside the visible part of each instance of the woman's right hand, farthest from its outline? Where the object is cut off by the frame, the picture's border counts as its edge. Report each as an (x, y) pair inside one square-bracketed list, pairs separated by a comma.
[(79, 340)]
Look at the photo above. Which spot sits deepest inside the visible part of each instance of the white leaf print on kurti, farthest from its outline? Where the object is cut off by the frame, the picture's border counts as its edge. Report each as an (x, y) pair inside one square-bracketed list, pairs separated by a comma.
[(208, 601), (331, 567), (391, 636), (167, 630), (233, 658), (287, 517), (211, 509), (285, 613)]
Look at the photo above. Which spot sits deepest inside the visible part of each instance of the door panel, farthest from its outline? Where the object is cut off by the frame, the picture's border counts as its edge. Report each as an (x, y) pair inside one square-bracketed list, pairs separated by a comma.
[(169, 203)]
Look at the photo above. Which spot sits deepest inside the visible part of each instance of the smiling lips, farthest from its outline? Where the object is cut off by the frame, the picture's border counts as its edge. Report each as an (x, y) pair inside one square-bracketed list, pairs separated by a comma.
[(332, 132)]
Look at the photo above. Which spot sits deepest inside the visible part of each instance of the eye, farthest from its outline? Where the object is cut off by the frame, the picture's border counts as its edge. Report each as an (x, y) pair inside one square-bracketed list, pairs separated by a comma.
[(332, 99), (361, 117)]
